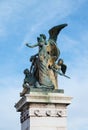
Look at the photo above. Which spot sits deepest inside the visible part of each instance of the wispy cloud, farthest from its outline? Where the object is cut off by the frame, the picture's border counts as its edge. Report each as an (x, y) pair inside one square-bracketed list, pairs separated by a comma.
[(8, 118), (55, 11), (26, 20), (77, 88), (12, 12), (76, 50)]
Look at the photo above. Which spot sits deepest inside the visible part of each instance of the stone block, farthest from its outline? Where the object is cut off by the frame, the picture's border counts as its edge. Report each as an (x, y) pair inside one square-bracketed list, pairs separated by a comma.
[(43, 110)]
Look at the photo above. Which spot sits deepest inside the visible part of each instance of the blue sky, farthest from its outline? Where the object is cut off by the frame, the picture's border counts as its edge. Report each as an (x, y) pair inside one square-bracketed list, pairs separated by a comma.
[(22, 21)]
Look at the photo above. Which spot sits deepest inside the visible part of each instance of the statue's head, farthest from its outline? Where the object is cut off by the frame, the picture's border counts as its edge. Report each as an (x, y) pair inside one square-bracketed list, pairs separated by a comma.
[(60, 62), (26, 71), (43, 36)]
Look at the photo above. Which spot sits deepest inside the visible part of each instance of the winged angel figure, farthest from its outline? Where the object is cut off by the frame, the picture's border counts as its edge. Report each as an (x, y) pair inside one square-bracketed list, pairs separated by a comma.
[(45, 64)]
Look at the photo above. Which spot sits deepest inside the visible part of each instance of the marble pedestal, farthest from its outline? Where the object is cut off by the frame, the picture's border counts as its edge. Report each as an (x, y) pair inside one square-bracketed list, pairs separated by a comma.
[(43, 110)]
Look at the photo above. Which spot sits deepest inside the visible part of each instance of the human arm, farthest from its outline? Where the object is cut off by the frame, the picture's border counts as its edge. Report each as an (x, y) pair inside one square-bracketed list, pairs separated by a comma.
[(31, 46)]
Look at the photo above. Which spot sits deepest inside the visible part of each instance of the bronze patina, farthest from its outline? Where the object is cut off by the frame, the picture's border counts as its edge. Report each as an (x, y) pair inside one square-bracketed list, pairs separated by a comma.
[(46, 64)]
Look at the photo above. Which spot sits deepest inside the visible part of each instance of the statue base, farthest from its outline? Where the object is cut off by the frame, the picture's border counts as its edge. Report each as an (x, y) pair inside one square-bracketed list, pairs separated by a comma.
[(43, 110)]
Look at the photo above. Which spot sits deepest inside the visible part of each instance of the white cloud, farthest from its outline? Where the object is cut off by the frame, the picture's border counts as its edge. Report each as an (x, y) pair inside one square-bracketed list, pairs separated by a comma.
[(34, 12), (66, 43), (54, 10), (38, 15), (8, 117), (12, 12), (77, 110), (76, 87)]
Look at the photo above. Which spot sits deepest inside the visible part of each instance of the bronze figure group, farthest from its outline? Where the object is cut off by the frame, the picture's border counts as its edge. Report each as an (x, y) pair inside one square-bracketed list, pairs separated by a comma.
[(46, 64)]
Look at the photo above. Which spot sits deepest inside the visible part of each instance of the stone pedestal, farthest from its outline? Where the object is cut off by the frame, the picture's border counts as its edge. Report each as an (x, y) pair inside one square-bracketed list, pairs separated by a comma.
[(43, 110)]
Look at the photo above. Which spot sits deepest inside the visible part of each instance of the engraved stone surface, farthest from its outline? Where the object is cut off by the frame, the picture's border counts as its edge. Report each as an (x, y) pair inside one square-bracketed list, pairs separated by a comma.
[(43, 110)]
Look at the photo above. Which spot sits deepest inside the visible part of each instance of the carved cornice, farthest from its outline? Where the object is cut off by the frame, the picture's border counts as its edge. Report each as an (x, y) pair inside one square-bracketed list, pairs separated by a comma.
[(44, 98)]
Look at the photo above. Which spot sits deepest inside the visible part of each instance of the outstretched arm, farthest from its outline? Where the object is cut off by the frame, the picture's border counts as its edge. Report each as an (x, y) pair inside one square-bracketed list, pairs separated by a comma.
[(31, 46)]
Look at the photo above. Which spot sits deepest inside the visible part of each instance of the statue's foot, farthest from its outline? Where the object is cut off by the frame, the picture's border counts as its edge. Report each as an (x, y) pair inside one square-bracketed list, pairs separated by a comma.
[(41, 86)]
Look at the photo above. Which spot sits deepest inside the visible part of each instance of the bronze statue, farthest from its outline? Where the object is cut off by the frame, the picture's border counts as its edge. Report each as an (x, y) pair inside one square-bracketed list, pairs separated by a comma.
[(46, 63)]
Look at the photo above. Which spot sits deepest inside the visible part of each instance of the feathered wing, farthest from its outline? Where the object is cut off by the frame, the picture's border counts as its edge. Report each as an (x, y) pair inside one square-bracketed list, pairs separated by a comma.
[(53, 32), (63, 68)]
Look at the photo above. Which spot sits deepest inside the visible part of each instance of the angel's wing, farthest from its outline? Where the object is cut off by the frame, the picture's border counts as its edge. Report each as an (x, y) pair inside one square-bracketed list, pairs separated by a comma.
[(63, 68), (53, 32)]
